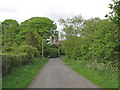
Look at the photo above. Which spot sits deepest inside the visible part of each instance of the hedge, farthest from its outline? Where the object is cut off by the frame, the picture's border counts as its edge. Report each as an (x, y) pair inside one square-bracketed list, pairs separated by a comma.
[(22, 56)]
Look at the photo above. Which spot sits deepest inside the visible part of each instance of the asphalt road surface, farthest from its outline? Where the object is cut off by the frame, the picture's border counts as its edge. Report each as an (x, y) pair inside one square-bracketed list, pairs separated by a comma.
[(56, 74)]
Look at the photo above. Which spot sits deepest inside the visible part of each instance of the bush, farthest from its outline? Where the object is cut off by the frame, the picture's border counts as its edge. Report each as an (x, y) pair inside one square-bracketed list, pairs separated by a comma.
[(7, 49), (98, 42), (10, 61), (53, 52), (61, 51), (22, 77), (27, 49), (21, 56)]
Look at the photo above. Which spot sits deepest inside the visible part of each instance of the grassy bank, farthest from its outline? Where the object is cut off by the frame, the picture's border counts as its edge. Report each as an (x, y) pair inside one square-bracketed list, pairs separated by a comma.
[(104, 76), (21, 77)]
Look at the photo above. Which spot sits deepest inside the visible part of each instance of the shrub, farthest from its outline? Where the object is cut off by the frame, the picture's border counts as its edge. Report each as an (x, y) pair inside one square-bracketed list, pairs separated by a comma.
[(10, 61), (53, 52), (61, 51), (27, 49), (7, 49), (21, 56)]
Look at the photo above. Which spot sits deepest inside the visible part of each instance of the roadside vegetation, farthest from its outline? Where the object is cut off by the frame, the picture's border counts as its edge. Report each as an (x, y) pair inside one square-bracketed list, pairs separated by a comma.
[(23, 76), (22, 49), (100, 74), (92, 46)]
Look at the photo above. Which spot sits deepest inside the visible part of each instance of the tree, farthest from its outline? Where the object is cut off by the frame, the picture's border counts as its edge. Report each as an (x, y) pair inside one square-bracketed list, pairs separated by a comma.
[(44, 26), (71, 26), (9, 32), (97, 40), (34, 30), (114, 16)]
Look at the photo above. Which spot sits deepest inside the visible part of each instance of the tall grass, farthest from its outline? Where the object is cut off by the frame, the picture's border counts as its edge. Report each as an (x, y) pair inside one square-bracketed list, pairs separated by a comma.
[(21, 77), (99, 73)]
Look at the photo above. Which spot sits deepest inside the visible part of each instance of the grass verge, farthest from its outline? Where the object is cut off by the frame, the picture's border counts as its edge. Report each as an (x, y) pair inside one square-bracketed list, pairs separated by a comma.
[(21, 77), (101, 75)]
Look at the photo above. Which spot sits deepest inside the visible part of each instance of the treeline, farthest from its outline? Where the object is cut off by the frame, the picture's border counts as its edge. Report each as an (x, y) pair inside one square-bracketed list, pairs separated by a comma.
[(23, 42), (95, 39)]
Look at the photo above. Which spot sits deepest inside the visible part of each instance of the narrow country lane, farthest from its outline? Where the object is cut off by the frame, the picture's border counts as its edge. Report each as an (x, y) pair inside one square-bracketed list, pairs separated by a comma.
[(55, 74)]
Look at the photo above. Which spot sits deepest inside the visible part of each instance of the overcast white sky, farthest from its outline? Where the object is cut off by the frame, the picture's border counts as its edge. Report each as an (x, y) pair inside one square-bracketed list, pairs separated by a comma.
[(21, 10)]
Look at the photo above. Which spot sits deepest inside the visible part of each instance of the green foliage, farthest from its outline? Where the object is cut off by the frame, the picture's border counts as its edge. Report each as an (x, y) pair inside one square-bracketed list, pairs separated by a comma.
[(105, 77), (21, 43), (34, 30), (61, 50), (94, 51), (7, 49), (9, 32), (19, 57), (71, 27), (21, 77), (97, 42), (114, 15), (52, 52), (42, 25), (27, 49)]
